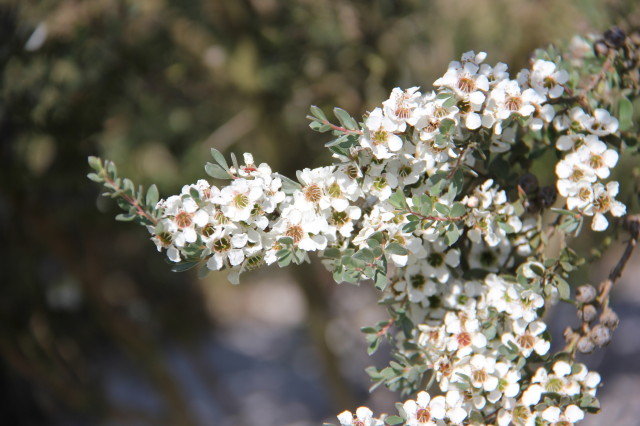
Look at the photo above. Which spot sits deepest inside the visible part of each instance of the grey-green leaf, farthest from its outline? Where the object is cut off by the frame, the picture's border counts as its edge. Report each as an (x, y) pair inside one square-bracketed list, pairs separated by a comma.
[(625, 114), (219, 158), (152, 196), (216, 171)]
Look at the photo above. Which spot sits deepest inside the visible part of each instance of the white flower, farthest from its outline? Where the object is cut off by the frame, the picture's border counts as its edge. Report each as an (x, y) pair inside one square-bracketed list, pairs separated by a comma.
[(364, 417), (604, 201), (546, 80), (602, 123), (419, 412), (379, 135), (401, 106)]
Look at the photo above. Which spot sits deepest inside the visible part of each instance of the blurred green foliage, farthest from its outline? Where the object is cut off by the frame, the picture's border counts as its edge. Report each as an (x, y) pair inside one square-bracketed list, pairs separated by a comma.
[(153, 85)]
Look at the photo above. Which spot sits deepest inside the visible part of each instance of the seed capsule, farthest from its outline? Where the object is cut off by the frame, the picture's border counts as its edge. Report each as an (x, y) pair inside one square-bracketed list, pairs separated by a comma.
[(609, 319), (600, 335), (586, 293), (585, 345), (587, 313), (614, 37)]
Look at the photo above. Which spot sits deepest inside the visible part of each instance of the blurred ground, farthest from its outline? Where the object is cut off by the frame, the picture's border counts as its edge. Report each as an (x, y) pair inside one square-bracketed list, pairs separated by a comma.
[(94, 329)]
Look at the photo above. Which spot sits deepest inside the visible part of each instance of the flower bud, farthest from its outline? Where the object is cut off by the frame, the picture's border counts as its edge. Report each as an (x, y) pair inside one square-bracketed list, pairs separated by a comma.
[(586, 293), (600, 48), (587, 313), (600, 335), (585, 345), (609, 319), (614, 37)]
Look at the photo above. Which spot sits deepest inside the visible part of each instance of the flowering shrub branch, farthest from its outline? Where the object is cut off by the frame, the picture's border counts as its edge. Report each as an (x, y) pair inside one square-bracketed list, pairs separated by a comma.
[(433, 197)]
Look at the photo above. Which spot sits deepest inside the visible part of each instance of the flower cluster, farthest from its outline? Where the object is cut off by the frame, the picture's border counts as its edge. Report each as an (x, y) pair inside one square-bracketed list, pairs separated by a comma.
[(588, 161), (421, 200)]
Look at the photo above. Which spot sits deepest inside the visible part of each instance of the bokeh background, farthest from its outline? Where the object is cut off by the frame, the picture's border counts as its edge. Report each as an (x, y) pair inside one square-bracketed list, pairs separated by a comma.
[(94, 328)]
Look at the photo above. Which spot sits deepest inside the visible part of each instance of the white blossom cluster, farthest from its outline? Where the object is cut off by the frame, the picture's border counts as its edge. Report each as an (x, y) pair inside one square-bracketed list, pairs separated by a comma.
[(474, 334), (588, 161)]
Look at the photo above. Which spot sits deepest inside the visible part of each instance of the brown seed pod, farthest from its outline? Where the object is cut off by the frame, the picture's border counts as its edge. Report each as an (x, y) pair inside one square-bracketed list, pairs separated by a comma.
[(586, 293), (585, 345), (600, 335)]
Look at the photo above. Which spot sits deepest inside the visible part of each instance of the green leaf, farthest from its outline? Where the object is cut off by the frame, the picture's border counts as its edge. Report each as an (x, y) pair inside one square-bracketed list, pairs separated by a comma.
[(152, 196), (126, 217), (396, 248), (317, 126), (331, 253), (317, 112), (446, 125), (458, 209), (563, 287), (410, 227), (345, 119), (216, 171), (365, 255), (449, 102), (452, 235), (95, 163), (299, 256), (380, 280), (372, 243), (219, 158), (625, 114), (94, 177), (128, 187), (394, 420), (287, 241), (442, 209), (184, 266), (284, 257), (398, 200)]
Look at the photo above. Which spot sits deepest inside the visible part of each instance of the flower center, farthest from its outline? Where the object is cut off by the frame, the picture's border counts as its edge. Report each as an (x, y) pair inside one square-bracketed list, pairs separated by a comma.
[(380, 183), (208, 230), (221, 245), (295, 232), (584, 194), (526, 341), (466, 84), (464, 339), (404, 171), (353, 171), (340, 218), (513, 103), (432, 126), (183, 219), (417, 281), (549, 82), (220, 217), (241, 201), (602, 203), (402, 111), (435, 259), (165, 238), (440, 111), (313, 193), (334, 190), (554, 385), (596, 161), (488, 258), (423, 415), (379, 137), (577, 174), (480, 376)]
